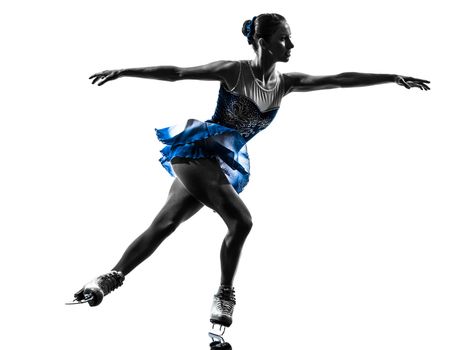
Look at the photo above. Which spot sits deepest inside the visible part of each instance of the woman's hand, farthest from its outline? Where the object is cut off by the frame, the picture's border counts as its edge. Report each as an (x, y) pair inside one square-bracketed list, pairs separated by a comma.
[(409, 82), (105, 76)]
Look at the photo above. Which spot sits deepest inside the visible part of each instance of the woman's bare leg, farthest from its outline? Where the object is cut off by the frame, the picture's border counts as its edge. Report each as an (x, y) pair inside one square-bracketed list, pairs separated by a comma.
[(180, 206), (204, 179)]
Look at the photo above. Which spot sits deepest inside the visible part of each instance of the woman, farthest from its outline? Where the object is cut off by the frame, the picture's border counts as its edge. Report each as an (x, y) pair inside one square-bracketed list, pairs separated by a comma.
[(209, 159)]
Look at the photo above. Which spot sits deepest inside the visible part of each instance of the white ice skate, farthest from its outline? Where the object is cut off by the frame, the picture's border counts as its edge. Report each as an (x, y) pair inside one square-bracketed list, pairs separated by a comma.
[(94, 291)]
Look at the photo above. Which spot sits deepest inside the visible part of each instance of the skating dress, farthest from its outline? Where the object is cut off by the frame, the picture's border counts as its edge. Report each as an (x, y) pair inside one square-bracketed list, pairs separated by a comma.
[(240, 114)]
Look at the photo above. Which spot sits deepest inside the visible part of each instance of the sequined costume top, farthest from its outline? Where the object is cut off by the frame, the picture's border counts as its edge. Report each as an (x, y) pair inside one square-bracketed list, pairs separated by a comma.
[(240, 114), (248, 107)]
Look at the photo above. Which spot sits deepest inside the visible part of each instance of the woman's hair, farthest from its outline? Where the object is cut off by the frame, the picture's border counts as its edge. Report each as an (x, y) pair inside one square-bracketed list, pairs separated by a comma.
[(261, 26)]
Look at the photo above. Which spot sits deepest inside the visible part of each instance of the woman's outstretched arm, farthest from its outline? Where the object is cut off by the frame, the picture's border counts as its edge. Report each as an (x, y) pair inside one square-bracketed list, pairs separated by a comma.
[(305, 82), (224, 71)]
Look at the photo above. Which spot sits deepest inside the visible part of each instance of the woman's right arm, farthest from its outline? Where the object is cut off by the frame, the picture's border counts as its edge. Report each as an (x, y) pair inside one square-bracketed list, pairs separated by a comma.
[(224, 71)]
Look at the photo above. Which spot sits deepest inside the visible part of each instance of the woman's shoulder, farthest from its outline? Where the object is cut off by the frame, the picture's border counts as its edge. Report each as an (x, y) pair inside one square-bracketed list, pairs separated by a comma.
[(288, 79), (228, 66), (230, 70), (220, 67)]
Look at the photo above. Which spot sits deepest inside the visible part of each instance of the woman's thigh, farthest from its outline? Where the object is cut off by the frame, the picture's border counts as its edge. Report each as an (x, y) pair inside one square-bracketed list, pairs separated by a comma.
[(205, 180), (180, 205)]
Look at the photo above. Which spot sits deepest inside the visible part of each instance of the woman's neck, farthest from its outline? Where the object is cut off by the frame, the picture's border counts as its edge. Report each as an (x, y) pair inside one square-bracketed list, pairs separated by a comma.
[(264, 70)]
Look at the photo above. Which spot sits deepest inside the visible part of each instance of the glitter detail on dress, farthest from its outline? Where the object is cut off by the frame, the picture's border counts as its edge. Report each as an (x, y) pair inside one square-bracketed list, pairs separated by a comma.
[(241, 113)]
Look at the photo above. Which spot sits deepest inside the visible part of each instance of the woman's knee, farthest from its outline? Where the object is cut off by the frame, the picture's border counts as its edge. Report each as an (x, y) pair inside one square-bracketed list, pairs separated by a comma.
[(242, 226), (163, 226), (238, 233)]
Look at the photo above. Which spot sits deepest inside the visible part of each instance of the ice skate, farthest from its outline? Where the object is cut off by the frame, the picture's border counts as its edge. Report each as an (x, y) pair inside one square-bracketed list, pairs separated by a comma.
[(223, 306), (221, 317), (94, 291)]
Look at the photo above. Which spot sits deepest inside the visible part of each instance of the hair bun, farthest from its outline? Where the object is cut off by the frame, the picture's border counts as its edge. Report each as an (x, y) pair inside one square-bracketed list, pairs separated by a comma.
[(245, 27), (248, 29)]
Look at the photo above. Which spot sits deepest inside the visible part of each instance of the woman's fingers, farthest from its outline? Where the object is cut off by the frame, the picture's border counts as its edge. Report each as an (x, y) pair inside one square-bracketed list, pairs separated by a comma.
[(94, 75), (420, 83), (104, 80), (97, 75), (102, 77), (96, 79), (409, 82), (401, 81), (423, 86)]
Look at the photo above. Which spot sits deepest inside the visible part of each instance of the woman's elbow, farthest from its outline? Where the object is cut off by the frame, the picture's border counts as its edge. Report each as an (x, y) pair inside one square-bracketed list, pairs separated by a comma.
[(172, 73)]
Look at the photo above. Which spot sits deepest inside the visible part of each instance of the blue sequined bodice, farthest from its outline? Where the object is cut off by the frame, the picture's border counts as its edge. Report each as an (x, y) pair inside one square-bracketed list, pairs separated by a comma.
[(241, 114)]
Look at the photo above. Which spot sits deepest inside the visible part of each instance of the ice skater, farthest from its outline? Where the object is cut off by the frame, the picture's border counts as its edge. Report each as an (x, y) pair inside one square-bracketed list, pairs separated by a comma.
[(209, 159)]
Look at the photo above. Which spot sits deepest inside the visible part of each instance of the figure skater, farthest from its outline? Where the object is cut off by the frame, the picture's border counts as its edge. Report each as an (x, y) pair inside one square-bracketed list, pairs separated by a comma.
[(209, 159)]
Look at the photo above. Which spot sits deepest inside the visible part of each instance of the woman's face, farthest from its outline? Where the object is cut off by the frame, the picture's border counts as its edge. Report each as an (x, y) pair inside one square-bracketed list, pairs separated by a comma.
[(279, 45)]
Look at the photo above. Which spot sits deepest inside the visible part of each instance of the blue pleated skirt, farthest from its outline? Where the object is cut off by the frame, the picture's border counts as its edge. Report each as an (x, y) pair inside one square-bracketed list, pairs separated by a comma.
[(197, 139)]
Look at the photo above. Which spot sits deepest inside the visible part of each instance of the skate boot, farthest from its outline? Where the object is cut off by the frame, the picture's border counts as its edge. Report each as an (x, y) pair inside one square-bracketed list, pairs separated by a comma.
[(221, 316), (223, 306), (94, 291), (220, 346)]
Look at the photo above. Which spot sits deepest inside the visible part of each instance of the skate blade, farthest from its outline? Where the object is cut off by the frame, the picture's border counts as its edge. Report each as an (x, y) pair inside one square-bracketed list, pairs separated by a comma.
[(221, 330), (217, 334), (216, 337), (78, 302)]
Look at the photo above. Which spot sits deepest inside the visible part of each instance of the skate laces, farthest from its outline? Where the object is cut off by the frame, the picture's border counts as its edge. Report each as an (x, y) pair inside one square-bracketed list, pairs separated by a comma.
[(225, 299), (110, 281)]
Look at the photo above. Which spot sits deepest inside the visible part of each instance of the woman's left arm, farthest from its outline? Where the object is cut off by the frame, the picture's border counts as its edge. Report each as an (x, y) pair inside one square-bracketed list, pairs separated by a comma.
[(305, 82)]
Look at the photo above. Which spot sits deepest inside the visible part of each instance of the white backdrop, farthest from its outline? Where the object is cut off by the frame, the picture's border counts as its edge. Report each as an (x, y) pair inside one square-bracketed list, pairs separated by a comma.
[(359, 196)]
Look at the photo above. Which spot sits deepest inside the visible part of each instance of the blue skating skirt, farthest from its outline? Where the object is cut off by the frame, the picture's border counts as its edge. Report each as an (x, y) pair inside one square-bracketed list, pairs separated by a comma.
[(198, 139)]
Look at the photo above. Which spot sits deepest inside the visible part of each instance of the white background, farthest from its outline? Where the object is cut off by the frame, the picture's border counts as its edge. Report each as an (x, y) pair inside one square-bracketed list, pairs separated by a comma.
[(359, 196)]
